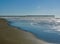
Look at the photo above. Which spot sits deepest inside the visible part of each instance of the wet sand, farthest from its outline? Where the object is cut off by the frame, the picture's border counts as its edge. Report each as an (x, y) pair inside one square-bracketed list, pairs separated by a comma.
[(12, 35)]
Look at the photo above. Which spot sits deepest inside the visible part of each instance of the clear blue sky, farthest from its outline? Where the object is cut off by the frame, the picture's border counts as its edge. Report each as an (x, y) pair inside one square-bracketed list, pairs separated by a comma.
[(30, 7)]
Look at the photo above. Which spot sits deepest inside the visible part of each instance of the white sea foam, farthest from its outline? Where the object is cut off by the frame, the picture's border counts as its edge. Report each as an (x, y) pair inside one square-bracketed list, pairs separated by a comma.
[(48, 27)]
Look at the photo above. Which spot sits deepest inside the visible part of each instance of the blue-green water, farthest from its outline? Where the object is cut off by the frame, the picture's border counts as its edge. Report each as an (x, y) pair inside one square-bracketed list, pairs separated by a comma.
[(42, 30)]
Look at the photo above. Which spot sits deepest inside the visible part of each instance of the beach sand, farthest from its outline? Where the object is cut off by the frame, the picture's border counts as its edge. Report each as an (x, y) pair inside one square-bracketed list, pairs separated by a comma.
[(12, 35)]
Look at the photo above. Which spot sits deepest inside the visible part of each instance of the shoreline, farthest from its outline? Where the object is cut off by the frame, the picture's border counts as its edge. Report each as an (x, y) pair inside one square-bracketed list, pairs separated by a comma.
[(13, 35)]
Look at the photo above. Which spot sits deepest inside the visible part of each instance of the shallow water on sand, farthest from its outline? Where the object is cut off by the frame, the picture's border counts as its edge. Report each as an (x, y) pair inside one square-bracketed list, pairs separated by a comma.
[(45, 31)]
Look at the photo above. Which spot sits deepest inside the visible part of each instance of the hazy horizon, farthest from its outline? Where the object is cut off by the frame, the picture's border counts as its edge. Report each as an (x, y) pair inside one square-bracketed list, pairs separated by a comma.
[(29, 7)]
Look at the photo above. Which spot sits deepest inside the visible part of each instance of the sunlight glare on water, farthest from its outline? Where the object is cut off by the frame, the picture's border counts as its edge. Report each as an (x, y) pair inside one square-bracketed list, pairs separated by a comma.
[(47, 31)]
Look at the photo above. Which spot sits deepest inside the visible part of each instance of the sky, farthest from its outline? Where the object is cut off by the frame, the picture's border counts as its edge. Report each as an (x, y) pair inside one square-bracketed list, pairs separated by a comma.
[(29, 7)]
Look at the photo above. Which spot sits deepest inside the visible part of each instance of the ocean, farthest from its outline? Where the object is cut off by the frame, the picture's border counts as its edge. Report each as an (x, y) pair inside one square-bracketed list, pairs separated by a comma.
[(47, 31)]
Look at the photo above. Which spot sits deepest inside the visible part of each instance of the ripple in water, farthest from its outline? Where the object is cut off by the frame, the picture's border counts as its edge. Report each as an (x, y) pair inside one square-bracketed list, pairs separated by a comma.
[(44, 30)]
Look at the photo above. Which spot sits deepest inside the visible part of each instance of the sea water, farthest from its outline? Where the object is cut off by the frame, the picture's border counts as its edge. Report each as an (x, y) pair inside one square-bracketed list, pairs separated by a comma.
[(49, 32)]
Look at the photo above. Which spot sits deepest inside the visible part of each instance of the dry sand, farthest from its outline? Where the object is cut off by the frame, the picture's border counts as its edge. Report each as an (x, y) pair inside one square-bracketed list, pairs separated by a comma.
[(12, 35)]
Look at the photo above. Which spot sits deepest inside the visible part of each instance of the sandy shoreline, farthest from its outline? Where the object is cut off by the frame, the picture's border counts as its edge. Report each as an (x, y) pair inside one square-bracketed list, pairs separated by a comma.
[(12, 35)]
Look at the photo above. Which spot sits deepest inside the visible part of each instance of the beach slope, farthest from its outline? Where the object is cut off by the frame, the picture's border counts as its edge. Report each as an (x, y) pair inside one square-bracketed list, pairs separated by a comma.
[(12, 35)]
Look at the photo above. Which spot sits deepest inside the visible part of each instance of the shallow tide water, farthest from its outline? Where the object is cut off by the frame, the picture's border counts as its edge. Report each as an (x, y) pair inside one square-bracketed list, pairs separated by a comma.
[(46, 31)]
